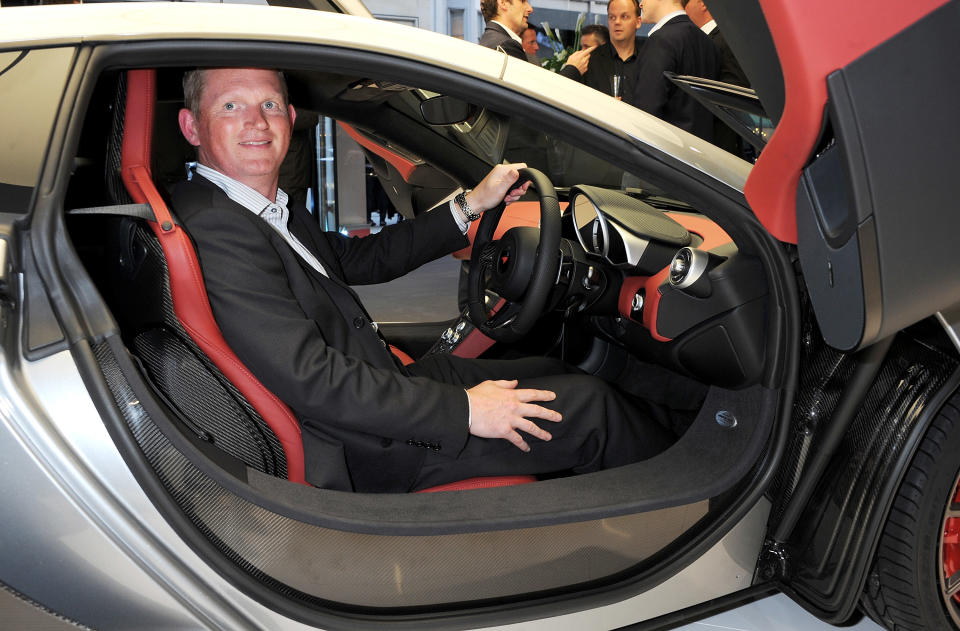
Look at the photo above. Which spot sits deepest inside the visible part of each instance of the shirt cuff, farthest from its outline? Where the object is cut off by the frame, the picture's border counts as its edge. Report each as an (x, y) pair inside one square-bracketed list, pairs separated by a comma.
[(457, 216), (469, 413)]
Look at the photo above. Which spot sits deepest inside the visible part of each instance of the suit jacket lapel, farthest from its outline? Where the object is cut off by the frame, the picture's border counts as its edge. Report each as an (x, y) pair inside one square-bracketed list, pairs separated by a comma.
[(316, 243)]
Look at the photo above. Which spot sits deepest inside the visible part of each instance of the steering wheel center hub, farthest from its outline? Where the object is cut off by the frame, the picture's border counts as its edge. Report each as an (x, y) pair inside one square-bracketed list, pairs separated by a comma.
[(515, 257)]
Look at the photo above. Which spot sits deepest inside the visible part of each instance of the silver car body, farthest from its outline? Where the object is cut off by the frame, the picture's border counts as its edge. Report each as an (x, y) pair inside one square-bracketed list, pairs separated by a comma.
[(78, 534)]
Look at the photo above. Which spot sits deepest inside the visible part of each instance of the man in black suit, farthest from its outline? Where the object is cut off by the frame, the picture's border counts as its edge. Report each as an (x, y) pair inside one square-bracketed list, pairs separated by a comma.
[(618, 56), (730, 70), (674, 44), (278, 288), (506, 21)]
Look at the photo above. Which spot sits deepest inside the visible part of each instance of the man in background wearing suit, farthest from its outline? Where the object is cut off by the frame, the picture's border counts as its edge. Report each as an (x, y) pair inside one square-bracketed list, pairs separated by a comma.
[(278, 288), (506, 21), (730, 71), (674, 44)]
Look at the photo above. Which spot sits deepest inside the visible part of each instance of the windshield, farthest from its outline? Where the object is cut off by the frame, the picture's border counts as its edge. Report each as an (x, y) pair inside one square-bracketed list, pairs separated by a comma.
[(496, 137)]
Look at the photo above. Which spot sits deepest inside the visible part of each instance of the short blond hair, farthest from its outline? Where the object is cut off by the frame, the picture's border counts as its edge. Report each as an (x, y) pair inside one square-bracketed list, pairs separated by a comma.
[(194, 82)]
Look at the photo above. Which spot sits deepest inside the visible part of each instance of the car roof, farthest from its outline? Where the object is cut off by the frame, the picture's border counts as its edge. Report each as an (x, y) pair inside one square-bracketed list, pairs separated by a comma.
[(60, 25)]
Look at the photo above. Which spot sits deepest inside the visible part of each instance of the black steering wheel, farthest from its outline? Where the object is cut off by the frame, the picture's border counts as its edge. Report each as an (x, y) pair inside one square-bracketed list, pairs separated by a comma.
[(521, 266)]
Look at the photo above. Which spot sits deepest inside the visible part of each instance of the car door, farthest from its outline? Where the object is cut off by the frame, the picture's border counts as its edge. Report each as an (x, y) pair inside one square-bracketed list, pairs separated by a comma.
[(859, 171)]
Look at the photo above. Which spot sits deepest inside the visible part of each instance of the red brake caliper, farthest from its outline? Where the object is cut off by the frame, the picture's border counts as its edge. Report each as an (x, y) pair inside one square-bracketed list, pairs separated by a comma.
[(951, 542)]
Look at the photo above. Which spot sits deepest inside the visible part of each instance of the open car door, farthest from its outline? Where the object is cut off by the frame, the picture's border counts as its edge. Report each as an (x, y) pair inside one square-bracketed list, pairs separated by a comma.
[(860, 171)]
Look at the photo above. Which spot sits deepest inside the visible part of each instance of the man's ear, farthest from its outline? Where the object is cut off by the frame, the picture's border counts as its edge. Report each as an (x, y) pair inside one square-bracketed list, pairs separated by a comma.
[(293, 115), (188, 127)]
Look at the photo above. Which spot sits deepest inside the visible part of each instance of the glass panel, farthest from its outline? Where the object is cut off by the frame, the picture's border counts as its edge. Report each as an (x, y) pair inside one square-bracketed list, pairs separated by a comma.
[(327, 175), (31, 84)]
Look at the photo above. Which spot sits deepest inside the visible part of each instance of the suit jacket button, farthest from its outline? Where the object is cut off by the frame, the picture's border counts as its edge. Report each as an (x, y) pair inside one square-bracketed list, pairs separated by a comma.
[(358, 322), (411, 442)]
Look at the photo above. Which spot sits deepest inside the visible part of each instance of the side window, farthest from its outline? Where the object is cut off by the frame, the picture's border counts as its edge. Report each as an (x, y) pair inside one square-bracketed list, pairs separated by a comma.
[(32, 84)]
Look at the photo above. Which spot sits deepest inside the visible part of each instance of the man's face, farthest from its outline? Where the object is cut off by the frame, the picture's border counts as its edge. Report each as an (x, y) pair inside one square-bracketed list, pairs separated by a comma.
[(243, 127), (588, 40), (652, 10), (622, 20), (514, 14), (530, 45)]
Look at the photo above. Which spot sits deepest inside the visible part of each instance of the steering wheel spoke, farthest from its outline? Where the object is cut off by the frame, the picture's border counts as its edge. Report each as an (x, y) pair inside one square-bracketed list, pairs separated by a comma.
[(486, 255)]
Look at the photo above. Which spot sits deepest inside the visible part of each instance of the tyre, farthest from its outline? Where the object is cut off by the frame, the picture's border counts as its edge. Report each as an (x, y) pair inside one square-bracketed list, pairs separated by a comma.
[(915, 581)]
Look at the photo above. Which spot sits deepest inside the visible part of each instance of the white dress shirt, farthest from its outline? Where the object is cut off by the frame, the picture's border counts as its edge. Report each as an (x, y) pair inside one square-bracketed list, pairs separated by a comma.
[(664, 20), (509, 31), (274, 213)]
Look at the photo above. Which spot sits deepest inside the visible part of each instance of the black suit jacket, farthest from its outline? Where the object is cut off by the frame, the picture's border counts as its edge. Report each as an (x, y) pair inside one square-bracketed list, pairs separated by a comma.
[(496, 37), (677, 46), (365, 423), (730, 70)]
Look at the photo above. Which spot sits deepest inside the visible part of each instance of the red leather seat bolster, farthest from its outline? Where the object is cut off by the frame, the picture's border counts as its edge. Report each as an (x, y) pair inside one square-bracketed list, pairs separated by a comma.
[(405, 359)]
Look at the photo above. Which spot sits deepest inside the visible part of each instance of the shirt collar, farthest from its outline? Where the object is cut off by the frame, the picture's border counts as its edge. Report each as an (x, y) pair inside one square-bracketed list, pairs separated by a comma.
[(709, 26), (513, 35), (612, 50), (241, 193), (664, 20)]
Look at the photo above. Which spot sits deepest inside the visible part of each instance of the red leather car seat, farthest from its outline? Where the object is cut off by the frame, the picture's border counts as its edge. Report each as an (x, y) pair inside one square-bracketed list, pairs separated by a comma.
[(188, 293)]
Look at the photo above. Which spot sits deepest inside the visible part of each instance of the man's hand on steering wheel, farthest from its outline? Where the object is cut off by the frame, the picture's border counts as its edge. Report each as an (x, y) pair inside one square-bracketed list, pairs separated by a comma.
[(495, 187)]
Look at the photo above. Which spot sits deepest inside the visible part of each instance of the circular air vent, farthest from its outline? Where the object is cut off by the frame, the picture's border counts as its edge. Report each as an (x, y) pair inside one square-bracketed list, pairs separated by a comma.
[(687, 267)]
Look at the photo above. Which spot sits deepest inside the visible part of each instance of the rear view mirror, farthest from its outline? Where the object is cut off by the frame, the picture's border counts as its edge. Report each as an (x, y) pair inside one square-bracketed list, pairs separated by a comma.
[(447, 110)]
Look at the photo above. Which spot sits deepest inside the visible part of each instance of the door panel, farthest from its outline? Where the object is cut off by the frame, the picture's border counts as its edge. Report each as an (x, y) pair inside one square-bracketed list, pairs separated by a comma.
[(877, 209), (859, 170)]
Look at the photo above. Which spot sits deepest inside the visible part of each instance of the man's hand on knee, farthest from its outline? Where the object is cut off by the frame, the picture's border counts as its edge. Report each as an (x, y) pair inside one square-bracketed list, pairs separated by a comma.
[(499, 410)]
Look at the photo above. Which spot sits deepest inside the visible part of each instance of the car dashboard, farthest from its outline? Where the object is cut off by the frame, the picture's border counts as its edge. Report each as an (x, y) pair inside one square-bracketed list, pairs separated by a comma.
[(670, 286)]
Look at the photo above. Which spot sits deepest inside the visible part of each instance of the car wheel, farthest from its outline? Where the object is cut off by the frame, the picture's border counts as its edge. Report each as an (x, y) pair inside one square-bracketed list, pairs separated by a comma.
[(915, 581)]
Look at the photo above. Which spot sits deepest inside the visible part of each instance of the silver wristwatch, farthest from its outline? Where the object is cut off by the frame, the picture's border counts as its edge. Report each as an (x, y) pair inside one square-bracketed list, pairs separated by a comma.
[(461, 201)]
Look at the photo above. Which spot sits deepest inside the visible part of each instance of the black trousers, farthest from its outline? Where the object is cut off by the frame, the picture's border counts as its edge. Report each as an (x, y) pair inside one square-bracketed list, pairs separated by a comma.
[(601, 428)]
